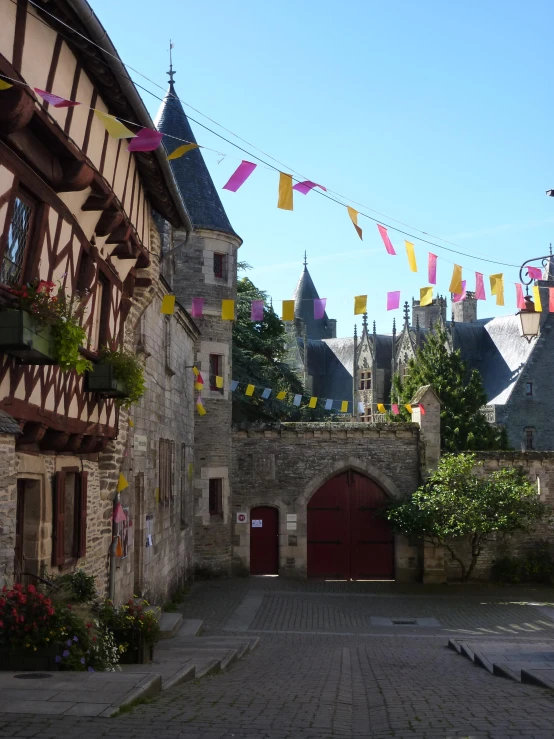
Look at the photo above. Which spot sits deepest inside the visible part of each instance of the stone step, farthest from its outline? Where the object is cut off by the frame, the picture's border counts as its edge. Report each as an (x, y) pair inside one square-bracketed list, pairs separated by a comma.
[(170, 624)]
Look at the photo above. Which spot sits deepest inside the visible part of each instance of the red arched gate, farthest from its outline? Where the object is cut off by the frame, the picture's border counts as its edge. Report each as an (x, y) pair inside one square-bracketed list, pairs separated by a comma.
[(347, 539)]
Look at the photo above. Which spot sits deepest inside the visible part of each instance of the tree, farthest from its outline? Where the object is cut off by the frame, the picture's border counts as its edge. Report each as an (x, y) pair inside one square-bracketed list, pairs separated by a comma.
[(259, 358), (459, 509), (460, 391)]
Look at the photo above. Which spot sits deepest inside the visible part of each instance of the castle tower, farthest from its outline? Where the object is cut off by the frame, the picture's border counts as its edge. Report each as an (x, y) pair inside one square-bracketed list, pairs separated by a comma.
[(304, 296), (203, 264)]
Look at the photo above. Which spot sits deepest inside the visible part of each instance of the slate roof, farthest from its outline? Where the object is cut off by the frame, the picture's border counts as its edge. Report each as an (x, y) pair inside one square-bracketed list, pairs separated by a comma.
[(8, 425), (304, 296), (190, 171), (331, 378)]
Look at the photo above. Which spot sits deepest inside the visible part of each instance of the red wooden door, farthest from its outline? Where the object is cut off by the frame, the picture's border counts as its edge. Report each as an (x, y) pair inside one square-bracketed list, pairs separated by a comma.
[(347, 539), (264, 541)]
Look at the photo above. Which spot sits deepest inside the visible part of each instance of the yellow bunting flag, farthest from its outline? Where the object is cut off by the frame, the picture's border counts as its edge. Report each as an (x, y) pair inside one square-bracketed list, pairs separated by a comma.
[(228, 310), (344, 406), (191, 470), (497, 287), (5, 85), (281, 395), (411, 256), (181, 150), (408, 407), (115, 128), (198, 385), (168, 305), (360, 305), (218, 381), (456, 281), (312, 403), (285, 192), (354, 218), (201, 410), (537, 298), (249, 390), (196, 371), (425, 296), (288, 310), (122, 483), (131, 423), (381, 408)]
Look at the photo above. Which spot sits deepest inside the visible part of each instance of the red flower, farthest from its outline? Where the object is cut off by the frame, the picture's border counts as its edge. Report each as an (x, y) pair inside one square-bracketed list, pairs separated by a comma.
[(31, 589)]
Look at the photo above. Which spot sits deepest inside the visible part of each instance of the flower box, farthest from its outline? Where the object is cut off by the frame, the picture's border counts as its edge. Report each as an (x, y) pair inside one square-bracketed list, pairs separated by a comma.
[(21, 659), (23, 338), (101, 379)]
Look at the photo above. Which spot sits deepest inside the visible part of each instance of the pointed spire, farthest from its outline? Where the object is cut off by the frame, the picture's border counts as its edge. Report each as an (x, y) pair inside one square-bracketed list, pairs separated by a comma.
[(364, 322), (374, 328), (355, 332), (394, 326), (406, 314), (171, 73), (305, 261)]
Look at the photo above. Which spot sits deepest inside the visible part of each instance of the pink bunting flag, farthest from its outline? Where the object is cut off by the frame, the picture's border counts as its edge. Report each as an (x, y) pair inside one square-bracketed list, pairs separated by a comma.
[(520, 300), (393, 300), (119, 514), (319, 307), (432, 268), (394, 409), (239, 176), (462, 295), (479, 287), (257, 310), (535, 273), (305, 187), (146, 140), (551, 299), (197, 307), (386, 241), (55, 100)]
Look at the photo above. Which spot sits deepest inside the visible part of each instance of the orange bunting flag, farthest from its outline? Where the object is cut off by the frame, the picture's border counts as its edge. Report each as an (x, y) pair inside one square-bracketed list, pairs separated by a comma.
[(456, 286), (354, 218), (288, 310), (411, 255), (115, 128), (285, 192), (425, 296), (181, 151), (497, 287)]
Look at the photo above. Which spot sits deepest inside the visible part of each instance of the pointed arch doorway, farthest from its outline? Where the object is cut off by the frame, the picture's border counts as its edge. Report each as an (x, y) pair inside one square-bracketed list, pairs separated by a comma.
[(347, 539)]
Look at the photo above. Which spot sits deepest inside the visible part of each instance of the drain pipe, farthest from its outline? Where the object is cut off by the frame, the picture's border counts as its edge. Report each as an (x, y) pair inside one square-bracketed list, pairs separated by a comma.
[(111, 587)]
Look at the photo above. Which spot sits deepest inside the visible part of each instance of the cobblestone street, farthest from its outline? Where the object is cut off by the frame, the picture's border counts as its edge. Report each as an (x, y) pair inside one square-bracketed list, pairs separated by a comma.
[(331, 663)]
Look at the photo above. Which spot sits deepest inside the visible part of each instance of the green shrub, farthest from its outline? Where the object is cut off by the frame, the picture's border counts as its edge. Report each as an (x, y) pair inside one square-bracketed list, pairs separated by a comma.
[(127, 369), (536, 565), (78, 586)]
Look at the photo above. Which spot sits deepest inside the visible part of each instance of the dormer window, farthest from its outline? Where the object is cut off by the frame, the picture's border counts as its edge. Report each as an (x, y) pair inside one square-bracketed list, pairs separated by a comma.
[(528, 388), (220, 265)]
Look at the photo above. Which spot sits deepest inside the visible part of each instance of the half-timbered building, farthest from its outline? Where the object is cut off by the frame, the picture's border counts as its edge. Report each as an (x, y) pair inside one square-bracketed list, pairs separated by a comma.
[(76, 210)]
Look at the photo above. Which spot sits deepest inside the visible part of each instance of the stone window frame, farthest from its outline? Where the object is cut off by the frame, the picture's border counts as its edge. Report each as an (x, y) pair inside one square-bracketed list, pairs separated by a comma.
[(219, 360), (365, 379), (166, 469), (529, 389), (215, 497), (220, 265), (530, 438)]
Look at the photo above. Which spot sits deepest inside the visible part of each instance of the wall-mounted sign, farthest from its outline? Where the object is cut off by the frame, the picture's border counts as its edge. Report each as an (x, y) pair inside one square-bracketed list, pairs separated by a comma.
[(256, 523), (291, 525), (242, 517), (291, 517), (140, 443)]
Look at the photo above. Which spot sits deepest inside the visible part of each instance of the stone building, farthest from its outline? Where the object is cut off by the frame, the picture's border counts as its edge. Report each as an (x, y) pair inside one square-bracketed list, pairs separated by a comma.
[(515, 372), (202, 263), (76, 208)]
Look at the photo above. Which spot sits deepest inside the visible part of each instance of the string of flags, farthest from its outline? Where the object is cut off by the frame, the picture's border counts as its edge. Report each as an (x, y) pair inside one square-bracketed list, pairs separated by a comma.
[(343, 406), (146, 140)]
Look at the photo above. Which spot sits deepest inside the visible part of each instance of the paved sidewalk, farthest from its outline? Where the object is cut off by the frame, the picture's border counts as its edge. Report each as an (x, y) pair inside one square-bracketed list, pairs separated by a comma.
[(325, 670)]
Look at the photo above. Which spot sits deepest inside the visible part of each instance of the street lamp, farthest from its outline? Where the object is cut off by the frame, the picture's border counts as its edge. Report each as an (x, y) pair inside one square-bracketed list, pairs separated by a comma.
[(529, 318)]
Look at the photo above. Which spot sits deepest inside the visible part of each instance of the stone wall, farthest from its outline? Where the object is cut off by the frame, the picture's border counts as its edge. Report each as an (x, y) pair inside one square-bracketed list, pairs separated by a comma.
[(284, 465), (8, 501)]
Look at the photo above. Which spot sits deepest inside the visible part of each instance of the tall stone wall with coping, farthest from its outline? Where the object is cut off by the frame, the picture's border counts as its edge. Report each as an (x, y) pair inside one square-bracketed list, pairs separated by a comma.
[(283, 465), (8, 503)]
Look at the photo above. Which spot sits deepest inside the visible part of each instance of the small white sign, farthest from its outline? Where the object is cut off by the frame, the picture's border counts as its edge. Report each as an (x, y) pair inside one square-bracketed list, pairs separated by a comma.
[(256, 523), (242, 517), (291, 525), (140, 443), (291, 516)]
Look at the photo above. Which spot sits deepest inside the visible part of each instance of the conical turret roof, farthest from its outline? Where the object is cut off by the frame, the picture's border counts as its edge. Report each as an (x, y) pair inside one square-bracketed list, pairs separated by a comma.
[(190, 171), (304, 297)]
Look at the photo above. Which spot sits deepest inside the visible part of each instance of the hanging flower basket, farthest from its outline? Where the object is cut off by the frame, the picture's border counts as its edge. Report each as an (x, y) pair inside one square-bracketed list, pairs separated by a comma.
[(102, 380), (22, 337)]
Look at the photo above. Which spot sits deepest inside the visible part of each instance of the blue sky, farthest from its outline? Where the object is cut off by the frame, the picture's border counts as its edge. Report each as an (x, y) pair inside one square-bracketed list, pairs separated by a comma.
[(438, 115)]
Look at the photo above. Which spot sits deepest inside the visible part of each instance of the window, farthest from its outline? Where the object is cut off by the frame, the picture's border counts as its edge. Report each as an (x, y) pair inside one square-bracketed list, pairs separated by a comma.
[(365, 380), (186, 477), (102, 304), (70, 516), (216, 497), (216, 370), (166, 455), (83, 278), (367, 416), (528, 388), (529, 439), (220, 265), (18, 238)]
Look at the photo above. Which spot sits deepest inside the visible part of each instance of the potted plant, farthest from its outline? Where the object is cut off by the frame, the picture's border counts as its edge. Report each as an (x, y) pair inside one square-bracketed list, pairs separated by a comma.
[(45, 327), (119, 374), (135, 628)]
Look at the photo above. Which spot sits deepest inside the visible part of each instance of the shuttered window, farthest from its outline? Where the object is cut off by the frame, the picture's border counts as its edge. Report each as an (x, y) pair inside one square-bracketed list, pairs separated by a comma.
[(69, 535), (166, 456)]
